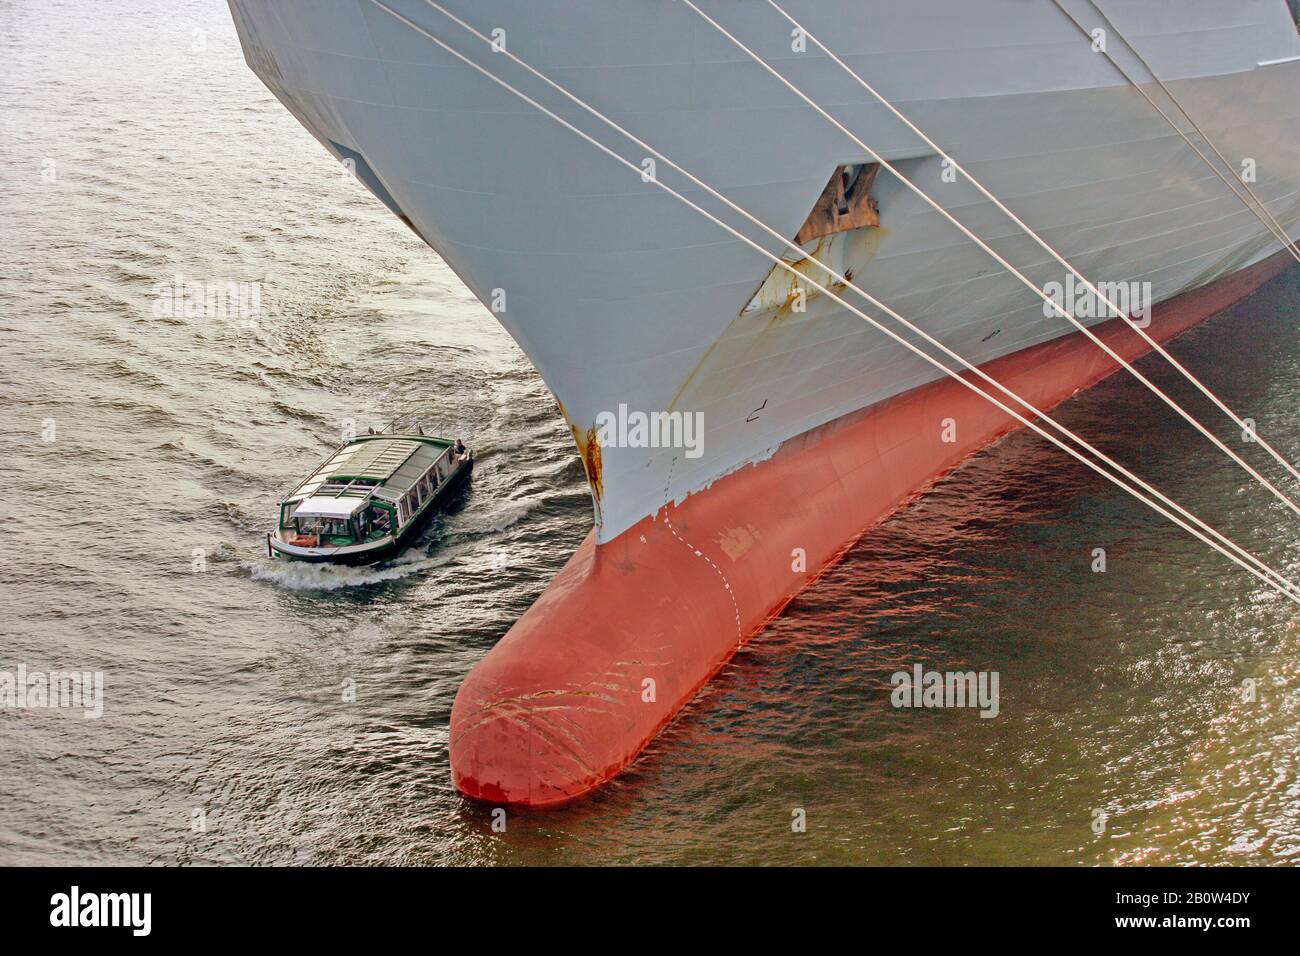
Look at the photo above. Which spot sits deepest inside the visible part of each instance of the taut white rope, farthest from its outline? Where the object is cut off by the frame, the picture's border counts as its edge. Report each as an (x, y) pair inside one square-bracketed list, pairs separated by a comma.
[(1159, 349), (1151, 386), (1287, 588)]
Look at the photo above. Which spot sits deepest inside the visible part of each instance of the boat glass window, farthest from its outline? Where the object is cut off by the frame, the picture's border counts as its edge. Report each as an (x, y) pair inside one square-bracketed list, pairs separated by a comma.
[(323, 526)]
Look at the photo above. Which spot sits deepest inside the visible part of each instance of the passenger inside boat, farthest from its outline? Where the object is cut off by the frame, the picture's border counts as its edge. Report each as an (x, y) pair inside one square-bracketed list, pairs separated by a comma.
[(375, 523)]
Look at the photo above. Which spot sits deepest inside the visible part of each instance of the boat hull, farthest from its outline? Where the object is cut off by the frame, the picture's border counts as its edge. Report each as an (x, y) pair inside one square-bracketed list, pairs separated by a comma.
[(630, 630)]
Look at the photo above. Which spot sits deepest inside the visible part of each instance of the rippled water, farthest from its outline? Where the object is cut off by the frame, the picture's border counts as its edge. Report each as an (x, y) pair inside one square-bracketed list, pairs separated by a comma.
[(136, 146)]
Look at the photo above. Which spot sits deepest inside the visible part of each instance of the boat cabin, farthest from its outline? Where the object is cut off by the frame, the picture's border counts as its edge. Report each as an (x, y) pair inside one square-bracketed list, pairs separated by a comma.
[(367, 497)]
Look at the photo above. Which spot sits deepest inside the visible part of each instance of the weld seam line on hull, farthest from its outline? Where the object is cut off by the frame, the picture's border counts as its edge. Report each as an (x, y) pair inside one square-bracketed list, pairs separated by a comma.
[(740, 632)]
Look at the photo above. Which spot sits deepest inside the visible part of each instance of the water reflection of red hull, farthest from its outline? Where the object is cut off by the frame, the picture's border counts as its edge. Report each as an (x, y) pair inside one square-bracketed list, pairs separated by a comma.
[(627, 633)]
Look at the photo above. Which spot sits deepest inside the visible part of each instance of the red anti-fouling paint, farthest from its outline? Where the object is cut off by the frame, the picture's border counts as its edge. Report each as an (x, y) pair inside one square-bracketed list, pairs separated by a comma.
[(562, 703)]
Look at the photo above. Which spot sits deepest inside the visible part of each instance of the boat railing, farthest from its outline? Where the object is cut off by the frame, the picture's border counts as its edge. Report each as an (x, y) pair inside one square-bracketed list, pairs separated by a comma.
[(290, 489)]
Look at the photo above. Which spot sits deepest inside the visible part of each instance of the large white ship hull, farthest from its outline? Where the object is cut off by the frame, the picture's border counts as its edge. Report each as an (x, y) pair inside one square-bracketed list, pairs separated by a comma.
[(621, 296)]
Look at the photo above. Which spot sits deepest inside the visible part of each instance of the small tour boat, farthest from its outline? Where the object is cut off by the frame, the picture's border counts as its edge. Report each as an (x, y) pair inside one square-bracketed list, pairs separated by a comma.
[(369, 499)]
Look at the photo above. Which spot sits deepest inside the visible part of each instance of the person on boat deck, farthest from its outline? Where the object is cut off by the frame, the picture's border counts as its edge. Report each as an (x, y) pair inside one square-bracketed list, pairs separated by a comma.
[(460, 451)]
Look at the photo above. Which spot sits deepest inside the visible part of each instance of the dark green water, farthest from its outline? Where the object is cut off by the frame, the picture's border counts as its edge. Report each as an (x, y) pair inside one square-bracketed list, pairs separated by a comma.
[(1120, 692)]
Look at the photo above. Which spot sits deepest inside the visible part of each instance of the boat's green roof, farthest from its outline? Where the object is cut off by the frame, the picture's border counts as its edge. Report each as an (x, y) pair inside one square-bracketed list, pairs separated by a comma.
[(393, 462), (374, 460)]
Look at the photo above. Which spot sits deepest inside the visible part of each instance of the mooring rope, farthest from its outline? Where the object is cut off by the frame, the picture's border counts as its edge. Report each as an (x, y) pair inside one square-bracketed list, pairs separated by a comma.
[(1267, 575), (1115, 356), (1152, 343)]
